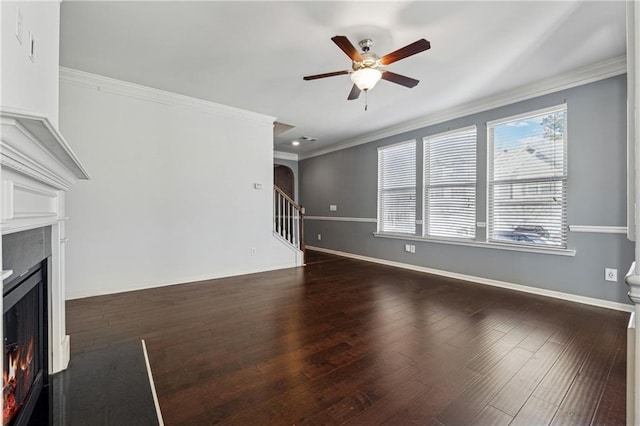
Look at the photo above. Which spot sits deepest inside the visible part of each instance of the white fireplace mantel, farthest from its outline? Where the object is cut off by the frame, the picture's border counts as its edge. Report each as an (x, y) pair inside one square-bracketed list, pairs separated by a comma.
[(37, 167)]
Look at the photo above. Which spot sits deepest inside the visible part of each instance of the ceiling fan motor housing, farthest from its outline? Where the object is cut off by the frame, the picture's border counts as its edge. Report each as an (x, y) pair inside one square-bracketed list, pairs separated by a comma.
[(369, 59), (365, 44)]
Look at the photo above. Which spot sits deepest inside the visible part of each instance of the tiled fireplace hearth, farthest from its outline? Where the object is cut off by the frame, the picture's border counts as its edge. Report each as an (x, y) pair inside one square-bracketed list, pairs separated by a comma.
[(37, 168)]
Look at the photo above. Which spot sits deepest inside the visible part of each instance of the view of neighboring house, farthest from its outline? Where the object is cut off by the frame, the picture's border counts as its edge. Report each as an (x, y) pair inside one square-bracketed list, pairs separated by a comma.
[(529, 174)]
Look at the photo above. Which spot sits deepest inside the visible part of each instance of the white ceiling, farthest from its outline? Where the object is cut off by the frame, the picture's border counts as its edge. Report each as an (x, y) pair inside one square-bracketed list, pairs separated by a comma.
[(253, 55)]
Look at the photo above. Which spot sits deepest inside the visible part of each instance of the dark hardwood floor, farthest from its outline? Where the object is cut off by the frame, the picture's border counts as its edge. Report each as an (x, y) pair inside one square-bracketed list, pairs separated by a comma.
[(344, 341)]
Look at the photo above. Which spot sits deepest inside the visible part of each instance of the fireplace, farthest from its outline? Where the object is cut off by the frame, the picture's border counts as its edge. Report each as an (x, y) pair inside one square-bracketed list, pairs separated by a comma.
[(37, 167), (25, 386)]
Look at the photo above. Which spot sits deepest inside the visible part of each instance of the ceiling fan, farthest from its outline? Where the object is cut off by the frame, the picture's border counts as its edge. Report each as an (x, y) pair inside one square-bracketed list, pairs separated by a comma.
[(367, 66)]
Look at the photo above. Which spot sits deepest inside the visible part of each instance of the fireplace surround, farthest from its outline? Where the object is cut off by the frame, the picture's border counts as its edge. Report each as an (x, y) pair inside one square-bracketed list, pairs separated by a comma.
[(37, 167)]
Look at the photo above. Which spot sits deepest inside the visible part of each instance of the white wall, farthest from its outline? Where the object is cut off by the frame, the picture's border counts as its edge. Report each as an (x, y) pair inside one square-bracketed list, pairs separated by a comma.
[(30, 86), (25, 85), (171, 195)]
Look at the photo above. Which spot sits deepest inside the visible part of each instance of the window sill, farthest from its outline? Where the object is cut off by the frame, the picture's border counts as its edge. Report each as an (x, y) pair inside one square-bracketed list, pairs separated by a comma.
[(481, 244)]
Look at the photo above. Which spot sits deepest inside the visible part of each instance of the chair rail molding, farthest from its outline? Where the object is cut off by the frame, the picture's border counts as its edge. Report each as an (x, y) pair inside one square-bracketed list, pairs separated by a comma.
[(599, 229)]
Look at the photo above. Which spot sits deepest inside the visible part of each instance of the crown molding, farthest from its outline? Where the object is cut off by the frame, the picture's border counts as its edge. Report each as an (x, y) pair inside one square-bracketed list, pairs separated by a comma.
[(124, 88), (578, 77), (285, 156)]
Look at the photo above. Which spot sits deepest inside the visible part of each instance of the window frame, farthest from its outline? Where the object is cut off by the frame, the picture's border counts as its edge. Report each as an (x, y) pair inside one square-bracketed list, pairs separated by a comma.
[(563, 179), (426, 187), (379, 207)]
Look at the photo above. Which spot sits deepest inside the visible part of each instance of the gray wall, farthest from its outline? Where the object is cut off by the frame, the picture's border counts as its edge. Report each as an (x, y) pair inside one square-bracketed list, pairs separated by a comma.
[(596, 120)]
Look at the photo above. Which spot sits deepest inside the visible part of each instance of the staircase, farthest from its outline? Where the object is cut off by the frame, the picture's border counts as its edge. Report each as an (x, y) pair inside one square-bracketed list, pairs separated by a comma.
[(288, 220)]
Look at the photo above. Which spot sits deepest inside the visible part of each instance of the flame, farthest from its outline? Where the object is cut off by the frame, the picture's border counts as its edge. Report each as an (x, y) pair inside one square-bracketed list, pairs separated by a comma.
[(17, 370), (26, 360), (13, 366), (9, 409)]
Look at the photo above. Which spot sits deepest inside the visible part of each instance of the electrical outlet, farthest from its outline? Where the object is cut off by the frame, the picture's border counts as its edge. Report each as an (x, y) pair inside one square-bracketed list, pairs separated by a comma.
[(407, 248), (333, 208), (610, 274), (413, 248), (253, 251), (319, 237)]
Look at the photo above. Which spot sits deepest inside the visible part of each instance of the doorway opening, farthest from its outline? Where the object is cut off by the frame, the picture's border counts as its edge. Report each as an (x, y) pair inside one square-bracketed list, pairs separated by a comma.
[(284, 179)]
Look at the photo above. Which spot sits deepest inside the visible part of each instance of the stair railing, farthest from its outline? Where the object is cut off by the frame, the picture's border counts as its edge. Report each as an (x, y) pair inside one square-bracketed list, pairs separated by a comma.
[(288, 219)]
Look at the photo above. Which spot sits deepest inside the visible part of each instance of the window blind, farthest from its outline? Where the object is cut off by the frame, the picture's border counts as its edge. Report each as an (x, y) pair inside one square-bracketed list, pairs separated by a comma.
[(450, 184), (528, 179), (397, 188)]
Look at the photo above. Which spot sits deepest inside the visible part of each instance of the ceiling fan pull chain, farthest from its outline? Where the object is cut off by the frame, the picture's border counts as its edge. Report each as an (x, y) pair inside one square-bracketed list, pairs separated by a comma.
[(366, 100)]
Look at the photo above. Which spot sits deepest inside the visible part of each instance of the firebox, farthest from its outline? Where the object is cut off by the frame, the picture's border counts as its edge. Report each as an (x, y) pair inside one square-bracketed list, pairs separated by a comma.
[(25, 386)]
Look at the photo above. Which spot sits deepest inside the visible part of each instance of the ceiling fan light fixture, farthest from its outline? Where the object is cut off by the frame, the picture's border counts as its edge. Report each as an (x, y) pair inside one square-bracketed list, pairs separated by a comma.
[(366, 78)]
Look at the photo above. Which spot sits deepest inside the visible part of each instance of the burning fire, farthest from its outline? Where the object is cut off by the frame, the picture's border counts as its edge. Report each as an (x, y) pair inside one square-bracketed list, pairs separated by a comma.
[(16, 378)]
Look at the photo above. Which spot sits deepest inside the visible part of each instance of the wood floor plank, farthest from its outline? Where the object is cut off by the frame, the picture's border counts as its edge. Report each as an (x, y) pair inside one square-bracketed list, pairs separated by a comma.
[(536, 339), (484, 361), (389, 404), (610, 411), (305, 401), (557, 382), (580, 404), (535, 412), (342, 341), (492, 416), (446, 387), (515, 393), (464, 408)]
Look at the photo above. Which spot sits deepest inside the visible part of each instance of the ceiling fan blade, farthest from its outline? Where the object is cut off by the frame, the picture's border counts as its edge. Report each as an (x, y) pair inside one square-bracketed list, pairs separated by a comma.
[(328, 74), (404, 52), (355, 92), (400, 79), (348, 48)]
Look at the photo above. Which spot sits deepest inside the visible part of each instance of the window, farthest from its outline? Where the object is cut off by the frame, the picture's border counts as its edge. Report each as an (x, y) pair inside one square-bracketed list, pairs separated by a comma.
[(397, 188), (450, 184), (528, 179)]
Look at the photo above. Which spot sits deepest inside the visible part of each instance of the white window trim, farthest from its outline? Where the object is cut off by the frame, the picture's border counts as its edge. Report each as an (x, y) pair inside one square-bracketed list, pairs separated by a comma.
[(540, 111), (488, 165), (479, 244), (381, 148), (475, 185), (450, 132)]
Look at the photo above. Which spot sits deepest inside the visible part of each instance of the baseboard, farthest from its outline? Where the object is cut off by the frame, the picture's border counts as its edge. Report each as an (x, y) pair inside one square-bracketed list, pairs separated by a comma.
[(61, 361), (81, 294), (486, 281)]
